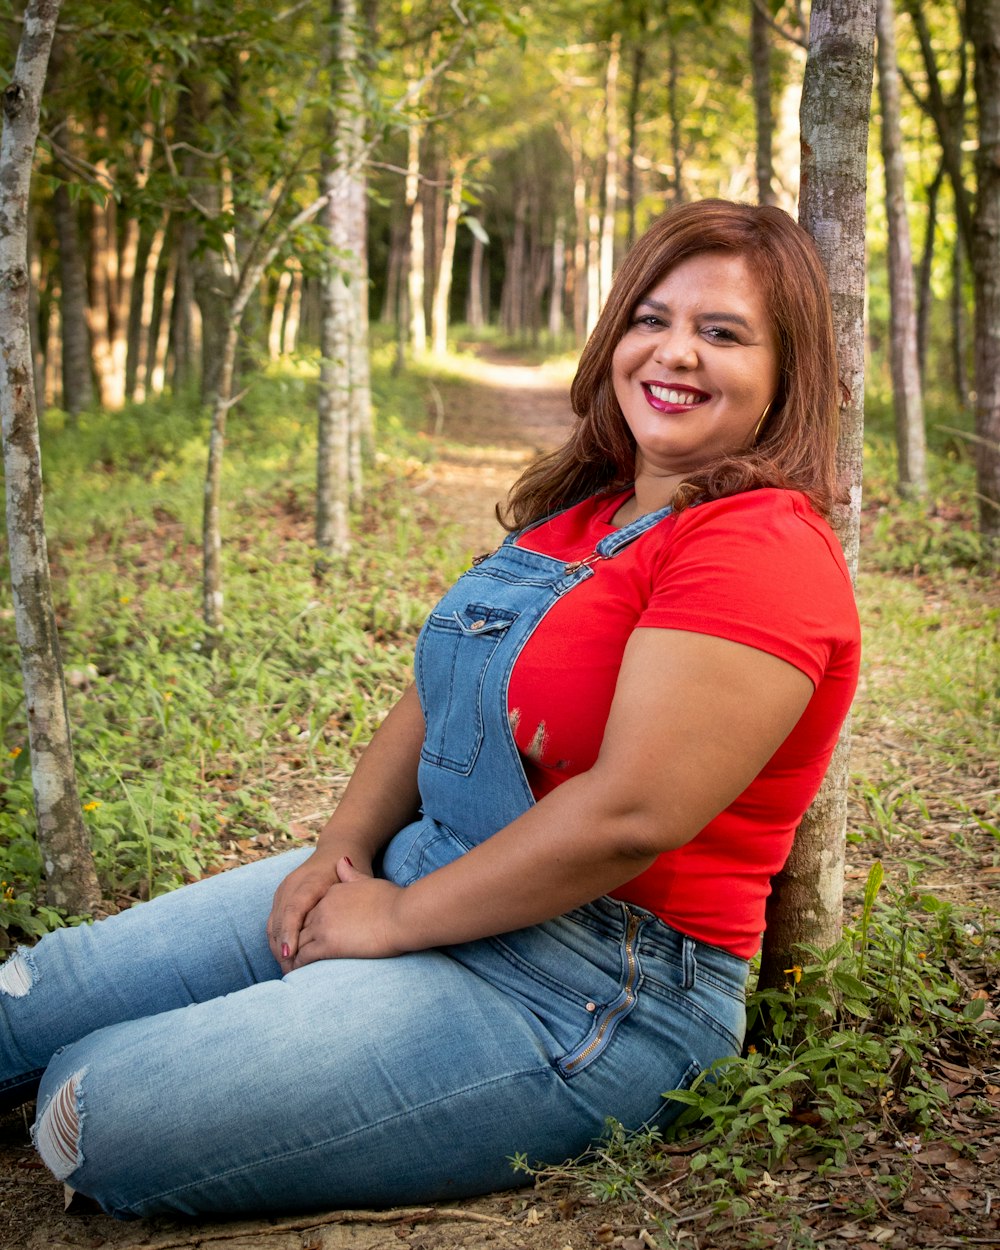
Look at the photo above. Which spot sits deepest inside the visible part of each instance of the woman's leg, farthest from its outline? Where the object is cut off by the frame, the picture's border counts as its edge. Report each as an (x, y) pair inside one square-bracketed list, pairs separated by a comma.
[(355, 1083), (348, 1083), (185, 947)]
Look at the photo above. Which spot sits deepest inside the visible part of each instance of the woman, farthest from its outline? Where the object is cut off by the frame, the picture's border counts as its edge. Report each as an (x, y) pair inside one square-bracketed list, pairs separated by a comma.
[(534, 906)]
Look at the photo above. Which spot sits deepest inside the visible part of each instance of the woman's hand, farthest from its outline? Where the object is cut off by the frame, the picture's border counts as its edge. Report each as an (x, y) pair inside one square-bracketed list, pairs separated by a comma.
[(295, 898), (353, 920)]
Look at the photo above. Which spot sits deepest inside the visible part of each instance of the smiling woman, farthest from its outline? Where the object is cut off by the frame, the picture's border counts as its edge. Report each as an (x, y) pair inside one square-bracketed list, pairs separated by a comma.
[(695, 372), (535, 904)]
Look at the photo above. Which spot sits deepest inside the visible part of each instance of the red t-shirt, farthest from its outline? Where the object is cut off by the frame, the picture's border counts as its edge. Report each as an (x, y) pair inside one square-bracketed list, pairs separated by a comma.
[(759, 568)]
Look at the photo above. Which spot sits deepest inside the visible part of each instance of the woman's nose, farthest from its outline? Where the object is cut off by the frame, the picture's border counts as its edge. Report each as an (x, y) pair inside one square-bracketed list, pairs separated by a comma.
[(676, 349)]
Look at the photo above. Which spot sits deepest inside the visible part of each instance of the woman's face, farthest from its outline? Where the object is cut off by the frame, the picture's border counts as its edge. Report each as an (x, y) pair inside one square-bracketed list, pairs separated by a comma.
[(697, 365)]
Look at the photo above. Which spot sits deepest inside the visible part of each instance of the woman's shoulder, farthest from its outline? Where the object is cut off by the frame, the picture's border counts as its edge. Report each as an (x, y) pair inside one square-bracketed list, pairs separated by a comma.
[(756, 519)]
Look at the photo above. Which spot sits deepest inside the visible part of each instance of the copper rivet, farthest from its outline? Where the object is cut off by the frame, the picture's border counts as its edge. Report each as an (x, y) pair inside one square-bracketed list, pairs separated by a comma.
[(478, 624), (592, 1006)]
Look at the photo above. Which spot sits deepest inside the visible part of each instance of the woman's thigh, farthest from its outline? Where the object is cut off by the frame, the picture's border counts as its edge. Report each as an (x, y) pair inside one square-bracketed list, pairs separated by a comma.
[(347, 1083), (189, 946)]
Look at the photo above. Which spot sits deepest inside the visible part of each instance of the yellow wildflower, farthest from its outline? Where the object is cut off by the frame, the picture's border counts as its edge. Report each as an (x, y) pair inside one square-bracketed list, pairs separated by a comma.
[(14, 752), (795, 972), (92, 806)]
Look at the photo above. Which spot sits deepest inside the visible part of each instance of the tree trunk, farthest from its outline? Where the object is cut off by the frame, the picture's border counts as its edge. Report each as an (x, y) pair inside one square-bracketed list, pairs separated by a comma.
[(634, 96), (474, 306), (806, 904), (924, 293), (69, 869), (948, 126), (181, 348), (362, 430), (675, 121), (446, 262), (338, 290), (959, 321), (415, 273), (760, 60), (611, 146), (984, 32), (77, 383), (579, 271), (907, 394), (211, 524), (558, 281)]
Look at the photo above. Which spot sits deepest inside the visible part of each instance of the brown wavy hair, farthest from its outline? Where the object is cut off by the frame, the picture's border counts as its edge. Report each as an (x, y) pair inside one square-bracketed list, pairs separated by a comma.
[(796, 447)]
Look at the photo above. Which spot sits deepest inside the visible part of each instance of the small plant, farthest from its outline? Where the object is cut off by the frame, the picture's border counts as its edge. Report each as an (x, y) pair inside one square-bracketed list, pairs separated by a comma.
[(847, 1040)]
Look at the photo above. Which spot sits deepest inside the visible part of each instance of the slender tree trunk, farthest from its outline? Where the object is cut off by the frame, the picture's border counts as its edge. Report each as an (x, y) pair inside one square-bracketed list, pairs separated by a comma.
[(337, 295), (675, 121), (362, 430), (907, 393), (293, 315), (211, 526), (78, 385), (948, 126), (558, 281), (579, 241), (69, 869), (159, 319), (634, 97), (611, 152), (446, 262), (806, 904), (474, 308), (984, 32), (959, 324), (415, 273), (924, 293), (760, 61)]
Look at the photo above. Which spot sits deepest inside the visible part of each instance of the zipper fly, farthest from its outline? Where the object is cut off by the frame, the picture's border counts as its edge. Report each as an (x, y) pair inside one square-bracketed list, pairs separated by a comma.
[(631, 969)]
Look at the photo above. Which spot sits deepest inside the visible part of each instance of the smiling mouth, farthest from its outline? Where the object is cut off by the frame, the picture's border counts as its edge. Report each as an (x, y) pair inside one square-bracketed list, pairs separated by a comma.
[(675, 395)]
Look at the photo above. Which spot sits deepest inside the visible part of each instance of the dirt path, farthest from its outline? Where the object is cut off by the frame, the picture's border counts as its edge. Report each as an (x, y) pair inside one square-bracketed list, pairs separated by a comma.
[(492, 419)]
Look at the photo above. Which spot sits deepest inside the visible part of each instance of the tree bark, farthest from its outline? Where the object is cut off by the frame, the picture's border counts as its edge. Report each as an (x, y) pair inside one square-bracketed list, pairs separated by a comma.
[(760, 61), (415, 272), (446, 262), (338, 292), (634, 96), (77, 382), (611, 146), (69, 870), (907, 392), (806, 903), (984, 32)]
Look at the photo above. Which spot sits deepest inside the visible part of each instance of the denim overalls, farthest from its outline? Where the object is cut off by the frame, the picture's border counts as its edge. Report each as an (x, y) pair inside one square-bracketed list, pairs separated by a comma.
[(207, 1082)]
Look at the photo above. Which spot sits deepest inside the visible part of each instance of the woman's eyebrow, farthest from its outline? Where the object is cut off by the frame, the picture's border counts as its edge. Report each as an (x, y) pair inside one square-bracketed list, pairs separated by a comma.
[(735, 318)]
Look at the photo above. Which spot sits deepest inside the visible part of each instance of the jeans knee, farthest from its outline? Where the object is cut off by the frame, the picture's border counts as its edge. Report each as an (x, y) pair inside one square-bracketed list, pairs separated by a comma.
[(58, 1129), (17, 975)]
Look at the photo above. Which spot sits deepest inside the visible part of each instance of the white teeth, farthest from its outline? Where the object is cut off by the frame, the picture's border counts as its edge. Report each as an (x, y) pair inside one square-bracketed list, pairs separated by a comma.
[(667, 395)]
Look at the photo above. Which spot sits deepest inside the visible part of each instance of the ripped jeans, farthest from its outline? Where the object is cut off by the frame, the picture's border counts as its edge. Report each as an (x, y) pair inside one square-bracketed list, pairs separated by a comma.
[(181, 1073)]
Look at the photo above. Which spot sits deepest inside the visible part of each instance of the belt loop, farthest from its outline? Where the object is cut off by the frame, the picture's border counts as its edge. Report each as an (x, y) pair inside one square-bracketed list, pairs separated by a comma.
[(689, 962)]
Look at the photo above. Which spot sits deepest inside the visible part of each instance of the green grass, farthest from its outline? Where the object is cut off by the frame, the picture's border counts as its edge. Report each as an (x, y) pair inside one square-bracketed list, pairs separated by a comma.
[(175, 747)]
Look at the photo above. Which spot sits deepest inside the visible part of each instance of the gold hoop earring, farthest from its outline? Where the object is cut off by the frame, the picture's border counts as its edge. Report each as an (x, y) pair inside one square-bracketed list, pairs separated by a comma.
[(760, 424)]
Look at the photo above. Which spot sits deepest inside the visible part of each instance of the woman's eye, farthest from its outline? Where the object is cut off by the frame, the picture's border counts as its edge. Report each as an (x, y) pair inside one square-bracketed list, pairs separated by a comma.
[(648, 319), (720, 333)]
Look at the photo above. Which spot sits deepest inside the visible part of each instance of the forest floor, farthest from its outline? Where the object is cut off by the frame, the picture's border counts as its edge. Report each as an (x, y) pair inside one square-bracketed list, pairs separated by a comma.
[(898, 1191)]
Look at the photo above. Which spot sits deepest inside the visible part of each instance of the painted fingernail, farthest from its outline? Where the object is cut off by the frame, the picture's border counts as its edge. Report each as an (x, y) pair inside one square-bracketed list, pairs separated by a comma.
[(286, 950)]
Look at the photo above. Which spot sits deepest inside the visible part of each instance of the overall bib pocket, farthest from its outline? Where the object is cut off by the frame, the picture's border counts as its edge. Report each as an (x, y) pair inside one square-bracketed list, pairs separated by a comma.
[(454, 651)]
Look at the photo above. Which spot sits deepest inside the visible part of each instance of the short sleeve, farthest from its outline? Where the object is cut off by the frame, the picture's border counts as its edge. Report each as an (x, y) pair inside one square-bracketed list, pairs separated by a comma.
[(762, 569)]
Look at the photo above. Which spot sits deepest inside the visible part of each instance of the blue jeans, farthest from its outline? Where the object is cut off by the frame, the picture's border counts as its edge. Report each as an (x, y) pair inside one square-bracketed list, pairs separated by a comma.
[(207, 1083), (181, 1072)]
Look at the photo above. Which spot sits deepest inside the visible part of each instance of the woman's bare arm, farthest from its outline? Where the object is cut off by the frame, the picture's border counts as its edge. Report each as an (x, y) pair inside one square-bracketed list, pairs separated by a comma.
[(694, 719), (380, 799)]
